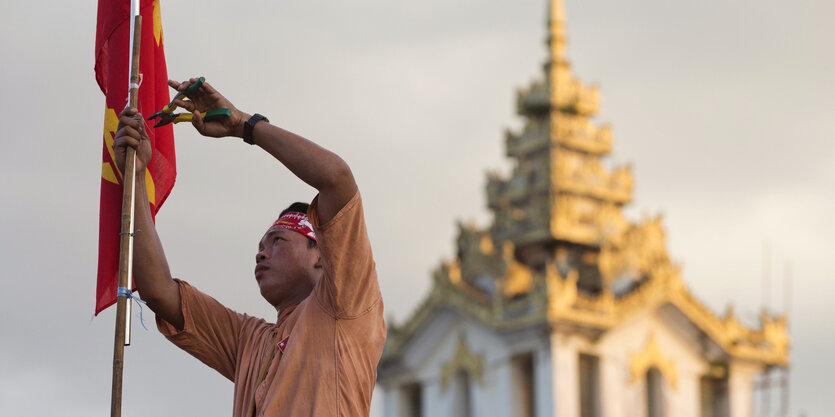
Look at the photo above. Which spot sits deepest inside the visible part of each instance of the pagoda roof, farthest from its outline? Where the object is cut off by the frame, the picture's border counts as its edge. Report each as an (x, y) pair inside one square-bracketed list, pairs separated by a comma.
[(554, 301), (559, 252)]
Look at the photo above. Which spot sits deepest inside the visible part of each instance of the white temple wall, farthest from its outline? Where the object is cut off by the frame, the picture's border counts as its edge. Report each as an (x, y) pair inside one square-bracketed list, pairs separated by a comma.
[(543, 382), (741, 387), (437, 346), (613, 394), (625, 396), (435, 404), (503, 385), (556, 369), (564, 357), (493, 395)]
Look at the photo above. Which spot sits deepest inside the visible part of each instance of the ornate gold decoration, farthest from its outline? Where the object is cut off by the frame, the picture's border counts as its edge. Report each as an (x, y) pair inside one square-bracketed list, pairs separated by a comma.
[(562, 293), (663, 285), (560, 192), (582, 174), (640, 250), (463, 359), (518, 278), (454, 271), (486, 245), (652, 357), (578, 132), (455, 278), (585, 220)]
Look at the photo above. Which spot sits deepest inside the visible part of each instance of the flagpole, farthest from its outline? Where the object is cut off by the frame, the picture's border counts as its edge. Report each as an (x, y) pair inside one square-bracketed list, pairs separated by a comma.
[(122, 337)]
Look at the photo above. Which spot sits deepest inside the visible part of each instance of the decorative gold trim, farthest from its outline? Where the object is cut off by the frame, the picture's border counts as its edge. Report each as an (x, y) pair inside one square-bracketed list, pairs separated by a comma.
[(486, 245), (518, 278), (463, 359), (578, 132), (560, 192), (455, 278), (652, 357), (663, 285)]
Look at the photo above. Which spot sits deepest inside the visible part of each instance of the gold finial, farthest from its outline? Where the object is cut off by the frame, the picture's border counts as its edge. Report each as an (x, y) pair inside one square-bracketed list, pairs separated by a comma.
[(557, 11), (556, 23)]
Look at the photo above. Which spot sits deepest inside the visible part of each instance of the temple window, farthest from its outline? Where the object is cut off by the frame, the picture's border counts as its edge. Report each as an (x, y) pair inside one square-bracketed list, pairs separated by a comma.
[(714, 397), (655, 393), (462, 403), (589, 370), (411, 404), (523, 385)]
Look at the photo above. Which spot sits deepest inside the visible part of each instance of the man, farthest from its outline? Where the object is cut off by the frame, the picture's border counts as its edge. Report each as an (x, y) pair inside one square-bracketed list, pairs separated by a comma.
[(314, 264)]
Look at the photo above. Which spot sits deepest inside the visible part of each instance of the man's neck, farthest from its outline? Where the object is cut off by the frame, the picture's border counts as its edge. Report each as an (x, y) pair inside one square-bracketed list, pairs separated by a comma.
[(287, 305)]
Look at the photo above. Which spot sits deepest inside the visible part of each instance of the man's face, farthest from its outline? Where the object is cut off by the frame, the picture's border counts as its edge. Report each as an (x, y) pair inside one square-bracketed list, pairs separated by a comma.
[(286, 268)]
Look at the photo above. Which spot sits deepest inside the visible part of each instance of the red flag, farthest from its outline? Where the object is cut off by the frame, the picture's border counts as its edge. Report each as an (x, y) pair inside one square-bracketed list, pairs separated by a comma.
[(112, 73)]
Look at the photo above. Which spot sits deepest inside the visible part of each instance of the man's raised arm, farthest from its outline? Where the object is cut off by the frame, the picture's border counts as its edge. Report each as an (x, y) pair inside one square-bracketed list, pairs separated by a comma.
[(150, 268), (316, 166)]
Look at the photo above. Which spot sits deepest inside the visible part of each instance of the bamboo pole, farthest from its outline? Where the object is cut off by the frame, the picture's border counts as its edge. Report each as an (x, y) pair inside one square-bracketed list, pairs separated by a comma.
[(122, 337)]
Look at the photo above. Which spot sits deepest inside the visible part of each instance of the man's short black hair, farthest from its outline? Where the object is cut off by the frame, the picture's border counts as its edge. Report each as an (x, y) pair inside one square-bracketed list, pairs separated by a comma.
[(299, 207), (296, 207)]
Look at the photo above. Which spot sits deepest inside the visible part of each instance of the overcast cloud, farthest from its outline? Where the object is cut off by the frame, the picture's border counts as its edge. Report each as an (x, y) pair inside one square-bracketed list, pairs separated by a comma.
[(724, 109)]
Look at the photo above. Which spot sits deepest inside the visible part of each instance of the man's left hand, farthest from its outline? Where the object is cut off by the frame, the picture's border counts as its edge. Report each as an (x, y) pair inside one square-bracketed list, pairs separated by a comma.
[(206, 99)]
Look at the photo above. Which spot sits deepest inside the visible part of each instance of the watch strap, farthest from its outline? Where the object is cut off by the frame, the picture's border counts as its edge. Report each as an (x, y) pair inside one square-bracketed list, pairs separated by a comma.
[(250, 125)]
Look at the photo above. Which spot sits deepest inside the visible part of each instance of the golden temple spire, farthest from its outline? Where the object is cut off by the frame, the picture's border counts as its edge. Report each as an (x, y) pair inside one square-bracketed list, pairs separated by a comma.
[(556, 27)]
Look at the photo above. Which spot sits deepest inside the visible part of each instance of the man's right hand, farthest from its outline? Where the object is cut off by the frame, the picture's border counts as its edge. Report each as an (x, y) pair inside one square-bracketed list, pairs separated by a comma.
[(206, 99), (131, 132)]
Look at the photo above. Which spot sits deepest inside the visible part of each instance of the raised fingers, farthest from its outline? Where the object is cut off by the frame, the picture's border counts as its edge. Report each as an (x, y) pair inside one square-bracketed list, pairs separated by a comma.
[(188, 105), (183, 85)]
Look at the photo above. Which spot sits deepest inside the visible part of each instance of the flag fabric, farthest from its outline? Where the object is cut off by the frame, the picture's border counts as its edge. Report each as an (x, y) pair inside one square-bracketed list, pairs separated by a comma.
[(112, 74)]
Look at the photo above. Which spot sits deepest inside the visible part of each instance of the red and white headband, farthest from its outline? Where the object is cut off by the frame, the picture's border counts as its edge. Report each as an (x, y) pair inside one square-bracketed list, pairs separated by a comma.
[(297, 222)]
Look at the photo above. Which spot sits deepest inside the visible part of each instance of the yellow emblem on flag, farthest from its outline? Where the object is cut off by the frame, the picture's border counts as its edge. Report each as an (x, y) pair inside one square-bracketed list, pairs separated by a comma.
[(149, 186), (107, 173), (109, 170), (157, 23)]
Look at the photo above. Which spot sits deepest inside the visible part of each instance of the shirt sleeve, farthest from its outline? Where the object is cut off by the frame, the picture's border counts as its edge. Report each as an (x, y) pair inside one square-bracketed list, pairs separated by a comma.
[(211, 333), (348, 287)]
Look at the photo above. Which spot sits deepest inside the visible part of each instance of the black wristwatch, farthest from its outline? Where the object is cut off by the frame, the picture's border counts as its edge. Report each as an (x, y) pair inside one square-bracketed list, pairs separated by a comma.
[(250, 124)]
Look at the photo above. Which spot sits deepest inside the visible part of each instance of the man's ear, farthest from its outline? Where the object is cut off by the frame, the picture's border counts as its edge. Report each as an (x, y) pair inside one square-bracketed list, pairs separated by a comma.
[(318, 263)]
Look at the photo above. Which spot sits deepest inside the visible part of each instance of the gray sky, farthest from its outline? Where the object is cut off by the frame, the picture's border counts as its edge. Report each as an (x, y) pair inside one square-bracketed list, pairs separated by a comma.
[(724, 109)]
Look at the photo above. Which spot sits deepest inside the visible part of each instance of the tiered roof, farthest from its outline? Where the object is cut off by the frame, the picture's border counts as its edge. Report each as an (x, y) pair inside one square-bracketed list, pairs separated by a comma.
[(559, 252)]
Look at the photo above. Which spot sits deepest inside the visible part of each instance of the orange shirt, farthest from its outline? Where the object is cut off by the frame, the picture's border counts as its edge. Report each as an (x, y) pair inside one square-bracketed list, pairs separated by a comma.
[(326, 348)]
